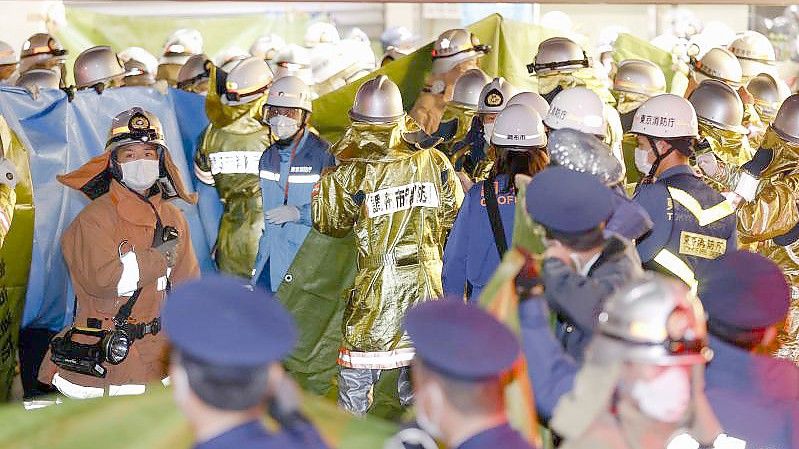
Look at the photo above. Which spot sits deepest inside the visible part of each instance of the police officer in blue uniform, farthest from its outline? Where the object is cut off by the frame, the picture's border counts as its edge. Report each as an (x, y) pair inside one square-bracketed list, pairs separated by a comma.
[(289, 169), (225, 367), (582, 265), (754, 396), (484, 226), (693, 223), (461, 353)]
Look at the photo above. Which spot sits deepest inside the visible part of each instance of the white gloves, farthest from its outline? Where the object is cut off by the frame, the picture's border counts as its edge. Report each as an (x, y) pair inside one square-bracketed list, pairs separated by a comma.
[(283, 214)]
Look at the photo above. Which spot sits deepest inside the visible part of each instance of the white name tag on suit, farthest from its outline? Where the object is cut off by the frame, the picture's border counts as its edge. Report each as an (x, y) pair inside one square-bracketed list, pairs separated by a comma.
[(394, 199), (235, 162)]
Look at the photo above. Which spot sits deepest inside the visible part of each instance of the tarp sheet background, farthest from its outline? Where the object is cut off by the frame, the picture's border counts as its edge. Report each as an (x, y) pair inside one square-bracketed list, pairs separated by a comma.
[(152, 421), (61, 136), (86, 28)]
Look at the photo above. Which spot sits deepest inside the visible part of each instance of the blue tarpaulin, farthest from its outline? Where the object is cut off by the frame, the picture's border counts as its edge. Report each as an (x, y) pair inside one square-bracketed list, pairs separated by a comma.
[(61, 136)]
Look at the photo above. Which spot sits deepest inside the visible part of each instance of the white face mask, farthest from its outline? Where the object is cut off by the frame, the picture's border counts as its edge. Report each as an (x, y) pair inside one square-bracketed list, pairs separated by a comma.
[(426, 421), (488, 129), (140, 175), (666, 397), (641, 156), (283, 127)]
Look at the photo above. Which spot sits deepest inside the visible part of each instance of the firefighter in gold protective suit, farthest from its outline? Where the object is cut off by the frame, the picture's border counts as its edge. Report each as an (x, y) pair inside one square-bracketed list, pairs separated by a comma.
[(400, 200), (454, 53), (8, 182), (768, 217), (561, 64), (635, 82), (228, 159), (459, 112), (724, 145)]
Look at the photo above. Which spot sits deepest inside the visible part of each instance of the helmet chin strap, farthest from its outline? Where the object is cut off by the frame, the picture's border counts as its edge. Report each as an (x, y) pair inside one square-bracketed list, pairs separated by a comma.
[(650, 177)]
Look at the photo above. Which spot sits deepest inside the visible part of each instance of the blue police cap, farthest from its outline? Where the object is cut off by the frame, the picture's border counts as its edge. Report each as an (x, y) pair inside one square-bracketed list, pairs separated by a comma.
[(568, 201), (216, 320), (461, 341), (744, 290)]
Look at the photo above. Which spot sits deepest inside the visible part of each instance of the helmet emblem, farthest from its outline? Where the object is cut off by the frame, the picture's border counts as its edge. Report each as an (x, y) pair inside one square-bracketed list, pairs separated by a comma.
[(139, 122), (494, 98)]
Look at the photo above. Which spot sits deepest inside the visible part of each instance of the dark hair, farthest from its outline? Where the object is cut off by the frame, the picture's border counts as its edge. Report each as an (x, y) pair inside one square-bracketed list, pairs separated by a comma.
[(747, 339), (513, 162), (581, 241), (685, 145), (226, 387)]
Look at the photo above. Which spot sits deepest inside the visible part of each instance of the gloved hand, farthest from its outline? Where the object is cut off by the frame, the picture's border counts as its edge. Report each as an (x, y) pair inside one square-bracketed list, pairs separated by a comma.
[(8, 173), (708, 163), (169, 250), (283, 214)]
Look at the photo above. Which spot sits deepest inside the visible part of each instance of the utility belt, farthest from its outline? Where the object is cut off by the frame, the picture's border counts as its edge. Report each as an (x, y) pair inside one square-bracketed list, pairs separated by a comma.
[(111, 345)]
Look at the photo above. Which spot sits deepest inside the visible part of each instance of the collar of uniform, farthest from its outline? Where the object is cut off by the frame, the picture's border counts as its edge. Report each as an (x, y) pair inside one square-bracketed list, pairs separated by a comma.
[(682, 169), (242, 436), (501, 436), (131, 208)]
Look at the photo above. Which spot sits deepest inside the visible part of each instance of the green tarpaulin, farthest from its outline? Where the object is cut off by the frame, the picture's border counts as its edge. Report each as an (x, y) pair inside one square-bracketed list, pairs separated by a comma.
[(152, 421)]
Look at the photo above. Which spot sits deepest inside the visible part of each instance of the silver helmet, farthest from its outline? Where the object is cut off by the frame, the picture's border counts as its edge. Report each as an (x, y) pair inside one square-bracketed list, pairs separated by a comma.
[(766, 92), (558, 55), (38, 79), (247, 81), (719, 105), (194, 71), (97, 65), (467, 88), (584, 153), (132, 126), (7, 55), (639, 77), (786, 124), (378, 101), (455, 46), (719, 64), (653, 320), (289, 92)]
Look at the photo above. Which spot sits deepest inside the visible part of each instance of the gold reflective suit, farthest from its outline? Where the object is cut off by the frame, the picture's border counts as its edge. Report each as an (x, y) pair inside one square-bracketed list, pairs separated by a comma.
[(228, 159), (400, 201), (731, 150), (429, 106), (772, 213), (455, 123)]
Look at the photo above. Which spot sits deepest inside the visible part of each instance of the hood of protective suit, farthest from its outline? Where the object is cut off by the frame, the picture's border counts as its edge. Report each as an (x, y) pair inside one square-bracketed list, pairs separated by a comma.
[(239, 119), (580, 78), (731, 147), (371, 142), (785, 155), (593, 396), (455, 122), (94, 178), (627, 102)]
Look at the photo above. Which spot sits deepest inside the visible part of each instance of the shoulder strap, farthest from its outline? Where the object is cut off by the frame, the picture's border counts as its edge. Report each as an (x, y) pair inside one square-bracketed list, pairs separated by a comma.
[(124, 312), (493, 216)]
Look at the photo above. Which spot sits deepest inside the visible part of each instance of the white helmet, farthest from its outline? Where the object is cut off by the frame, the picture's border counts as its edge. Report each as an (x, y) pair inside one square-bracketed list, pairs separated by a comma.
[(247, 81), (394, 53), (397, 37), (357, 34), (138, 61), (468, 87), (453, 47), (639, 77), (533, 100), (97, 65), (181, 45), (580, 109), (719, 63), (229, 57), (266, 47), (666, 116), (519, 126), (7, 55), (494, 96), (294, 60), (290, 92), (753, 51), (558, 55), (321, 33)]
